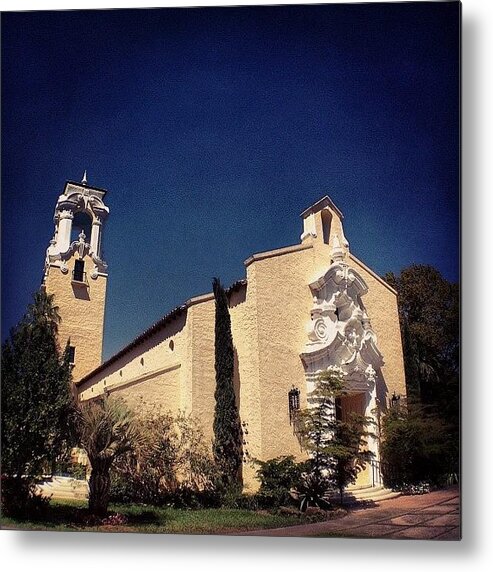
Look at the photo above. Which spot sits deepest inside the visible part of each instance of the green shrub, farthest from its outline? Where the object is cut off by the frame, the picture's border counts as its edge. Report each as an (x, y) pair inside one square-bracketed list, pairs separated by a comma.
[(77, 471), (311, 491), (20, 499), (278, 477), (238, 500), (172, 466), (187, 497)]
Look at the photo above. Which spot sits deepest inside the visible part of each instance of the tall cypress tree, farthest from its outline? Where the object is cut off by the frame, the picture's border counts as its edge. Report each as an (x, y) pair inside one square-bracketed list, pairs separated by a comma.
[(227, 429)]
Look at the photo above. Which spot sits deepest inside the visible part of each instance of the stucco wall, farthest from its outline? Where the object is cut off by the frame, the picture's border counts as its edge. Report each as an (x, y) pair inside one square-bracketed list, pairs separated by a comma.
[(243, 309), (283, 309), (81, 308), (151, 373), (157, 392), (203, 372)]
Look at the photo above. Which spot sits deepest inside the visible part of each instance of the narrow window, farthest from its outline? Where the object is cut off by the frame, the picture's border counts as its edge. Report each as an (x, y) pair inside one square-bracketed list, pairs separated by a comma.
[(79, 271), (71, 355)]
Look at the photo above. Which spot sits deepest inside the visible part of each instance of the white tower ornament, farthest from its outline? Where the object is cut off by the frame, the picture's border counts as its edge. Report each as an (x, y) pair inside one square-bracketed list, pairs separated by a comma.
[(84, 177)]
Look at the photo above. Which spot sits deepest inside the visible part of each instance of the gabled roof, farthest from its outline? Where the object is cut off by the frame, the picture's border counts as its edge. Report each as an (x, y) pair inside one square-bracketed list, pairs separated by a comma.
[(319, 205)]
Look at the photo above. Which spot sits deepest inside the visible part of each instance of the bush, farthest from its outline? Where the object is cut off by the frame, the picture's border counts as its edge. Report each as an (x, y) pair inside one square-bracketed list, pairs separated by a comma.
[(238, 500), (173, 466), (311, 491), (20, 498), (123, 489), (77, 471), (277, 479), (186, 497)]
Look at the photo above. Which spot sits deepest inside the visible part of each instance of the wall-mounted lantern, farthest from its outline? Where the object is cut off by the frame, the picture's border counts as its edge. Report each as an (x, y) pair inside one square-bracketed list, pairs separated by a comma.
[(293, 403), (394, 400)]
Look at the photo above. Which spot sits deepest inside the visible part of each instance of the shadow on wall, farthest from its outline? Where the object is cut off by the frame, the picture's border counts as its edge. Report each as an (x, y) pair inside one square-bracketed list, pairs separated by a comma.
[(238, 296), (382, 390), (236, 379), (237, 390), (81, 291)]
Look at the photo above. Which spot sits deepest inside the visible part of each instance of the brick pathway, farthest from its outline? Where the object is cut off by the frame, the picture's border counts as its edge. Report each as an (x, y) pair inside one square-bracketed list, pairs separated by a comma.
[(433, 516)]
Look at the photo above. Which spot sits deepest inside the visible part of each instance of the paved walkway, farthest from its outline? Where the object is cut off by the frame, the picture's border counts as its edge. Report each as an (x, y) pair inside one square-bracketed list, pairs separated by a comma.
[(433, 516)]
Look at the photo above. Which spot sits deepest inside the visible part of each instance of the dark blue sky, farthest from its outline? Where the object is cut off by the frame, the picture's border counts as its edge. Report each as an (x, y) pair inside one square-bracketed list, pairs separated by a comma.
[(213, 128)]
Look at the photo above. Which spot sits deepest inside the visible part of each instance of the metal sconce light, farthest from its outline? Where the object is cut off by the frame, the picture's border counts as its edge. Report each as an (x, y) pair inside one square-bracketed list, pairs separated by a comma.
[(394, 399), (293, 403)]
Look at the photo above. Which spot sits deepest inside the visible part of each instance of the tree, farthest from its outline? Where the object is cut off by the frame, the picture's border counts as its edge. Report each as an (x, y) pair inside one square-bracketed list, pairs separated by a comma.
[(107, 430), (416, 447), (37, 400), (227, 428), (429, 317), (337, 447)]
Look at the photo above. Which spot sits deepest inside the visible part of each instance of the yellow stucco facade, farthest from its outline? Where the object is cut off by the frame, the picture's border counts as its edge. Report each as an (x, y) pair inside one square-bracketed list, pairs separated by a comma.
[(299, 309), (81, 307)]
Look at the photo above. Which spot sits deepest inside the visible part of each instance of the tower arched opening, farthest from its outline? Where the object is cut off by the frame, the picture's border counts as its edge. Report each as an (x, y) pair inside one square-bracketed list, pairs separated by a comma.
[(82, 222)]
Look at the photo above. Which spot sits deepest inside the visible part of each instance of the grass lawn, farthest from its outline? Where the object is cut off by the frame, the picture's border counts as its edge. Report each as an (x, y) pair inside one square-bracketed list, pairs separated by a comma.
[(69, 516)]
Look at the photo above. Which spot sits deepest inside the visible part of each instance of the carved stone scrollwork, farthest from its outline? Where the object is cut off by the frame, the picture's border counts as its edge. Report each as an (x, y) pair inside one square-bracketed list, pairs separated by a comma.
[(340, 332), (319, 330)]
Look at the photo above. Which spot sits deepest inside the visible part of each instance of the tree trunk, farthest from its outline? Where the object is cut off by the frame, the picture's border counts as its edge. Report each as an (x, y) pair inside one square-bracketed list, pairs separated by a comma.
[(99, 491)]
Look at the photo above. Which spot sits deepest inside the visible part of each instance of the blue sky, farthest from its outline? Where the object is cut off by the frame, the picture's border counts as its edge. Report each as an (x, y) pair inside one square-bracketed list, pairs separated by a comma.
[(213, 128)]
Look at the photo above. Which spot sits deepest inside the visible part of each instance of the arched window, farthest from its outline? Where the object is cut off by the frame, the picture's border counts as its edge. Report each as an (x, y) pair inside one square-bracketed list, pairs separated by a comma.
[(82, 222)]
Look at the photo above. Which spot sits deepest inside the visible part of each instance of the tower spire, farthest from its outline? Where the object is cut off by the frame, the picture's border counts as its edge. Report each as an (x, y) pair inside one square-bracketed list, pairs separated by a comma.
[(84, 177)]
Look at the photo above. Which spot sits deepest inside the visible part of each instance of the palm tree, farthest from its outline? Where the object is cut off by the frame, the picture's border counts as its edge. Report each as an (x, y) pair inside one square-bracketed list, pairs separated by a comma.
[(107, 429), (43, 311)]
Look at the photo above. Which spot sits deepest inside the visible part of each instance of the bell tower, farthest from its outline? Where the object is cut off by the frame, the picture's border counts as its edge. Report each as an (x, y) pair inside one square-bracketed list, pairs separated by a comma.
[(76, 273)]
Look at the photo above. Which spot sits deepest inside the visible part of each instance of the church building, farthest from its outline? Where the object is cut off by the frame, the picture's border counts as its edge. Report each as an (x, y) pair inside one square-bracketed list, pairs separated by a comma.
[(299, 310)]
